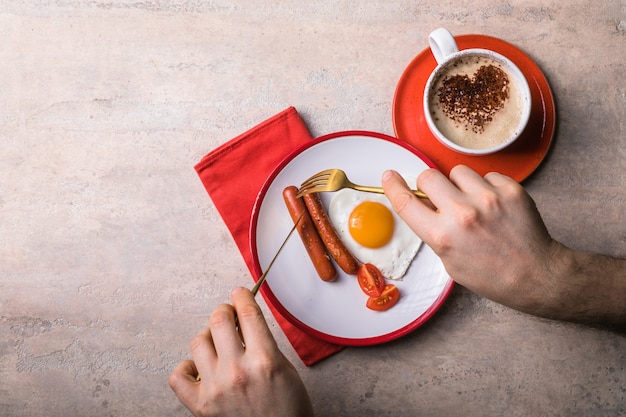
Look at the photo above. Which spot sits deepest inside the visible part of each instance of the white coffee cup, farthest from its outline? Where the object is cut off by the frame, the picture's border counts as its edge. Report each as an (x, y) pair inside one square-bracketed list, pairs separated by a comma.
[(476, 101)]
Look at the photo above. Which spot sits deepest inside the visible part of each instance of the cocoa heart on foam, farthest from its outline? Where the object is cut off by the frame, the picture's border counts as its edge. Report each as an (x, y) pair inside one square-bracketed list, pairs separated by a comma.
[(474, 101)]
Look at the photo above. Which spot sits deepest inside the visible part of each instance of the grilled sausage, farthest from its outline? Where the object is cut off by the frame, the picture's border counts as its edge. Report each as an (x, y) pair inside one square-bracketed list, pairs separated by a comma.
[(311, 239), (333, 243)]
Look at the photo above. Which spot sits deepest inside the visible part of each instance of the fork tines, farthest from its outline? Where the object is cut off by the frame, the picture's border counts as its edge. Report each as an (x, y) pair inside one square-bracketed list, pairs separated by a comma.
[(318, 180)]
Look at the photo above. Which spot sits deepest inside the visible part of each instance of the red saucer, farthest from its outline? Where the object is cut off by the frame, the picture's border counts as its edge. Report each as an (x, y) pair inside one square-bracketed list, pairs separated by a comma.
[(518, 160)]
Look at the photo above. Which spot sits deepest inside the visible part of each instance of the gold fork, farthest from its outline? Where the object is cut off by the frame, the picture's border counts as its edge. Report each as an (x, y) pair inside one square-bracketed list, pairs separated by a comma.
[(335, 179)]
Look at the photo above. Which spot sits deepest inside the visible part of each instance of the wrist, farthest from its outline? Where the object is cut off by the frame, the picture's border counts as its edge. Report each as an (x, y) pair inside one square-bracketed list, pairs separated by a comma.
[(543, 288), (585, 288)]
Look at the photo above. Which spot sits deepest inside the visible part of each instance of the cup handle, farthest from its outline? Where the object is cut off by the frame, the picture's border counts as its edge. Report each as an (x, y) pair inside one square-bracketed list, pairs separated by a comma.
[(442, 44)]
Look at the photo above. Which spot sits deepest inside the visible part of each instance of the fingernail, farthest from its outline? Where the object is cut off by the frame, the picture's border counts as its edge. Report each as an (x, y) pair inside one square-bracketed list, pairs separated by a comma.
[(237, 289), (387, 174)]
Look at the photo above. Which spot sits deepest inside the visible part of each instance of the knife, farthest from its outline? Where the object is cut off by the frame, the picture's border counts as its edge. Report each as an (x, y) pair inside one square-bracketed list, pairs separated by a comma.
[(261, 279)]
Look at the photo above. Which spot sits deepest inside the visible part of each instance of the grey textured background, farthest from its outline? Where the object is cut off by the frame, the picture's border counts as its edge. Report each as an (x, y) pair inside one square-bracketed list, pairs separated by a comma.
[(112, 255)]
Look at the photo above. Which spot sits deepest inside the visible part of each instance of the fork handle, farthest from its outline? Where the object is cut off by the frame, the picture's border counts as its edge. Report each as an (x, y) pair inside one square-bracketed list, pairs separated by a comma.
[(379, 190)]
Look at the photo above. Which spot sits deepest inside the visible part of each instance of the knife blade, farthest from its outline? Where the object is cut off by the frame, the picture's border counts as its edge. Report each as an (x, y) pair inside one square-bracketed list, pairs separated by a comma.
[(261, 279)]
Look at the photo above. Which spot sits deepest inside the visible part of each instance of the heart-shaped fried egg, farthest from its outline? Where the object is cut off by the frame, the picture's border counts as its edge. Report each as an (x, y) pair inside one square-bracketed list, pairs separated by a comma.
[(373, 232)]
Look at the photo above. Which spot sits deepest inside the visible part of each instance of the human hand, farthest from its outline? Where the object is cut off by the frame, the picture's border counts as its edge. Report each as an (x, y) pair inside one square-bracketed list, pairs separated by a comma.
[(487, 231), (254, 379)]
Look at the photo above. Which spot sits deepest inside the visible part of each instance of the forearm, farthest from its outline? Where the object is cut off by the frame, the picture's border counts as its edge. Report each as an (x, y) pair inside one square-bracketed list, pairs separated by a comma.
[(591, 289)]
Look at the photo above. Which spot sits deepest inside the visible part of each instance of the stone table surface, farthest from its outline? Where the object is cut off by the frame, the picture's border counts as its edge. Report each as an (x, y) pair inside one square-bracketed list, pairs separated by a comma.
[(112, 256)]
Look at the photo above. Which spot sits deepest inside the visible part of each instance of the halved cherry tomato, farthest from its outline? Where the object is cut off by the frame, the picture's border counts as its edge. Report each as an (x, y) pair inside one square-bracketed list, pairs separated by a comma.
[(387, 299), (371, 280)]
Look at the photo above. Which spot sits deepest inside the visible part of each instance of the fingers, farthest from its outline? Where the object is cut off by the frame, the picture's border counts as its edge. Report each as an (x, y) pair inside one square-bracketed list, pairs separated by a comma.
[(224, 336), (440, 190), (184, 372), (203, 352), (493, 186), (415, 213), (467, 180), (221, 340), (498, 180), (464, 188), (222, 361), (254, 330), (183, 382)]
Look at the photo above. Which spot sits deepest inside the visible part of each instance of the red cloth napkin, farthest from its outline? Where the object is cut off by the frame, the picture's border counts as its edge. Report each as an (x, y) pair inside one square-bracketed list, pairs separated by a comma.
[(233, 175)]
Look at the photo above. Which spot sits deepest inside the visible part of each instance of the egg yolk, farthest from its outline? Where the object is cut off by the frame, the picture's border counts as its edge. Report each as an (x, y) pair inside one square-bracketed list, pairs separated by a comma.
[(371, 224)]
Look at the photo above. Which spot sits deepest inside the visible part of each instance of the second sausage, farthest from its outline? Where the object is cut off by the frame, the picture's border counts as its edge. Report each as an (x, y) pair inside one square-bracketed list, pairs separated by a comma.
[(329, 236), (311, 239)]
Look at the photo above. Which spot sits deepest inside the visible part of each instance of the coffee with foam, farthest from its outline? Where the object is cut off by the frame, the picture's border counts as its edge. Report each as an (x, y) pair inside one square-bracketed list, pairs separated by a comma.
[(476, 102)]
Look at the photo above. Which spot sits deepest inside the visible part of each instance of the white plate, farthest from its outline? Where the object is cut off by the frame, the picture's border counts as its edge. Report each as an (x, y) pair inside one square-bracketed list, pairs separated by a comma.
[(335, 311)]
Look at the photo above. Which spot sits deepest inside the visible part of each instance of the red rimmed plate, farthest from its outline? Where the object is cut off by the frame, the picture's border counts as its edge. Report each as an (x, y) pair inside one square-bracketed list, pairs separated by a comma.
[(517, 161), (335, 311)]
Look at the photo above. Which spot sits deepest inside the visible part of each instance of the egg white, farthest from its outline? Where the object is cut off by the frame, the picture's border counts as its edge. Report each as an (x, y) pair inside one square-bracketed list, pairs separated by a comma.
[(392, 259)]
